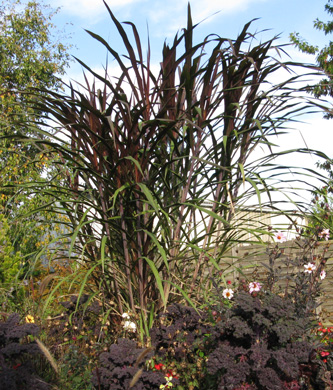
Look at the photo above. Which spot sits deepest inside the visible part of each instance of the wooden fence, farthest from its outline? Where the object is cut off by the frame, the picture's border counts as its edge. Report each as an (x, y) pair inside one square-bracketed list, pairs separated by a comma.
[(251, 261)]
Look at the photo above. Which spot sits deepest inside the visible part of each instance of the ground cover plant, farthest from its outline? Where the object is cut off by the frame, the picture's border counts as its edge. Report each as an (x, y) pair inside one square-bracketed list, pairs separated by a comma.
[(16, 354), (251, 335)]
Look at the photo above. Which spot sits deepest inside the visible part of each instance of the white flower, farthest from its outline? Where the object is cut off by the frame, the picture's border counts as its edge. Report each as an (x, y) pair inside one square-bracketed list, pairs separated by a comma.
[(125, 316), (309, 267), (254, 286), (228, 293), (280, 237), (324, 234), (322, 274), (130, 326)]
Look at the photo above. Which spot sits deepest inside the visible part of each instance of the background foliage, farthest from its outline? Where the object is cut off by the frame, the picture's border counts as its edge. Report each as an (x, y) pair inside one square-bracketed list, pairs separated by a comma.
[(30, 56), (324, 55)]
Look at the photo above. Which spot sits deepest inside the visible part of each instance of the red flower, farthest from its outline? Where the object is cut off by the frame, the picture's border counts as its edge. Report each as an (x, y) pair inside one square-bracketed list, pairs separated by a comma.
[(159, 366), (228, 281), (170, 374), (17, 366)]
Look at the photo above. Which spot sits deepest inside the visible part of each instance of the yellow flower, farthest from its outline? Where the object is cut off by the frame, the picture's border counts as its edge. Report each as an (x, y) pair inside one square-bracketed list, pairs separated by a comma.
[(29, 319)]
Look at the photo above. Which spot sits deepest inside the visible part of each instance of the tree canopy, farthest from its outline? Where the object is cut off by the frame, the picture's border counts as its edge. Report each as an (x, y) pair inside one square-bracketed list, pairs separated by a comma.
[(324, 55), (31, 56)]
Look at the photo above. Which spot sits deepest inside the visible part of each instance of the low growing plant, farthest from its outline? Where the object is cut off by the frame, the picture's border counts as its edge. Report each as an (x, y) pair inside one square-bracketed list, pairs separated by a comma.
[(75, 370), (123, 367), (181, 339), (17, 348), (261, 344), (83, 324), (255, 340)]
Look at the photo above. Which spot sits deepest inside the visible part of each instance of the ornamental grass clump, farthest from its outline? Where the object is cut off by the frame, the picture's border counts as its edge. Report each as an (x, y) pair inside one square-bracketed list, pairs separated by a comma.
[(152, 164)]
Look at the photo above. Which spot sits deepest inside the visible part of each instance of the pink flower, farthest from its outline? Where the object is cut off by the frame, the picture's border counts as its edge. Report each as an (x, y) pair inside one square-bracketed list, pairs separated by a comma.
[(309, 268), (280, 237), (254, 286), (324, 234), (228, 293), (322, 274)]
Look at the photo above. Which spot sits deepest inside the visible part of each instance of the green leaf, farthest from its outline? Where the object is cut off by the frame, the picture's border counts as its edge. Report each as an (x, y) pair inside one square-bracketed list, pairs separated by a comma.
[(160, 248), (157, 279)]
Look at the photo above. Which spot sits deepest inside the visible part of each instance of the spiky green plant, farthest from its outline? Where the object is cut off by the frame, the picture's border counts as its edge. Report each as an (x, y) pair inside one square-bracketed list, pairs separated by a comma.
[(154, 165)]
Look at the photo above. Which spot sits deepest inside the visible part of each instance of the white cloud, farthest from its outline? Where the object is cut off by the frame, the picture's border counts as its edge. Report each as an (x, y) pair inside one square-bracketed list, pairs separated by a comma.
[(174, 11), (90, 9), (222, 6), (157, 11)]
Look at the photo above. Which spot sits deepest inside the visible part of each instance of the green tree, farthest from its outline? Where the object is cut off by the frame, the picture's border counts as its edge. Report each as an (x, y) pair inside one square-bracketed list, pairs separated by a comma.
[(9, 261), (322, 199), (321, 217), (30, 57), (324, 55)]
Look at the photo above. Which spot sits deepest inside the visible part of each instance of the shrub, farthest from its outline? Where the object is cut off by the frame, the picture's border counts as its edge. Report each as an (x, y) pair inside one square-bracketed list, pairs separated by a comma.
[(16, 369), (181, 339), (122, 365), (304, 264), (261, 343)]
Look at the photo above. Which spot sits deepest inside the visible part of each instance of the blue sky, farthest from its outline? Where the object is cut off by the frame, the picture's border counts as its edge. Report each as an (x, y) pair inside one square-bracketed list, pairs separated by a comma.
[(165, 18), (223, 17)]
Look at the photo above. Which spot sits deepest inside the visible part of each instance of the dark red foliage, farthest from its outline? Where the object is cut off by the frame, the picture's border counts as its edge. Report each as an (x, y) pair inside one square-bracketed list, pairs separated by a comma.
[(119, 366), (16, 369), (260, 343)]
